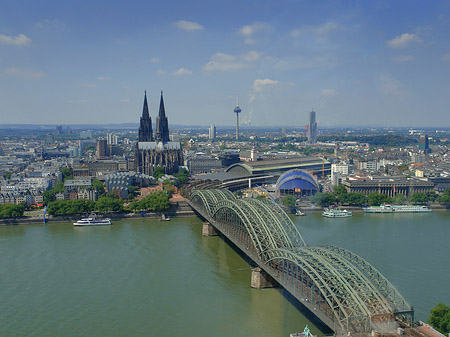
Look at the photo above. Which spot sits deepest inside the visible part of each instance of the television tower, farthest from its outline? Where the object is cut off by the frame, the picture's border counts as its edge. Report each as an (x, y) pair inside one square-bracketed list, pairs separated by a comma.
[(237, 111)]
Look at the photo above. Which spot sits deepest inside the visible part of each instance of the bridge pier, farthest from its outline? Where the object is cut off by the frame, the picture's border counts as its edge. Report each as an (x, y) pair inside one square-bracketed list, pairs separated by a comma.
[(208, 230), (261, 280)]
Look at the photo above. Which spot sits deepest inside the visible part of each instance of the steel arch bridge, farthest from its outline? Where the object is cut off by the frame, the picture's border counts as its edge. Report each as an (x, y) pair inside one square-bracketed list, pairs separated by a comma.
[(346, 292)]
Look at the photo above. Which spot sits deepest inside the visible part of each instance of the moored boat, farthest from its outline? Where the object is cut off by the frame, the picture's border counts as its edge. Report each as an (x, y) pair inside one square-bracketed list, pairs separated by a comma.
[(93, 221), (397, 209), (336, 213)]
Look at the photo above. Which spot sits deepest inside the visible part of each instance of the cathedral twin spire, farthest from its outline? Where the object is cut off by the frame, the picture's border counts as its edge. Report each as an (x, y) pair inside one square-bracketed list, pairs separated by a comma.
[(162, 124)]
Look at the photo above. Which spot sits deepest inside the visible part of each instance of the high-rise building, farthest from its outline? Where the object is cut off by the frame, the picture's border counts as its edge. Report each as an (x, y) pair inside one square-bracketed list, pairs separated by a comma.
[(237, 110), (112, 139), (312, 128), (156, 151), (424, 144), (102, 149), (212, 132)]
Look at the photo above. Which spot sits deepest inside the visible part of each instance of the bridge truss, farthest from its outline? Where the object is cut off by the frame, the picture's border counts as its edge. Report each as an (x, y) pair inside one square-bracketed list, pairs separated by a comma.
[(341, 288)]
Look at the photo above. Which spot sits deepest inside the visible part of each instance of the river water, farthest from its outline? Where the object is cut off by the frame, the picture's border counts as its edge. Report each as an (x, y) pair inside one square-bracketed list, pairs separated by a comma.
[(151, 278)]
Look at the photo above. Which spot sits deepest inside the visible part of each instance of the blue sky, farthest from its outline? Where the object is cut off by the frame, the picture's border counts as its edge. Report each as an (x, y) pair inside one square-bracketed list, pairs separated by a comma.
[(384, 63)]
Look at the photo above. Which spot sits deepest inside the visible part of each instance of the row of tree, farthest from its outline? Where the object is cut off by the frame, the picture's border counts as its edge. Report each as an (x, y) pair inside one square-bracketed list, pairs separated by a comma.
[(11, 210), (155, 202)]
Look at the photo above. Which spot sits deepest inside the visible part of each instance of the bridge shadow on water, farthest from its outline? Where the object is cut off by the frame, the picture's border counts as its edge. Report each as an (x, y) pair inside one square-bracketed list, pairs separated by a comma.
[(324, 329)]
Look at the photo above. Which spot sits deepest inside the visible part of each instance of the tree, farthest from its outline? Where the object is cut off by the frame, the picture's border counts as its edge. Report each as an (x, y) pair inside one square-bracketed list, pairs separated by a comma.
[(399, 199), (182, 175), (376, 199), (440, 318), (159, 172), (157, 202), (105, 204), (67, 173), (403, 167), (445, 197), (418, 198), (288, 201), (324, 199), (353, 199), (97, 184), (11, 210)]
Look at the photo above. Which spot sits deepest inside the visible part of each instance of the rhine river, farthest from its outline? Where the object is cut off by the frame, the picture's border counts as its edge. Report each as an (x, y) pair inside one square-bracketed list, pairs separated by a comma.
[(151, 278)]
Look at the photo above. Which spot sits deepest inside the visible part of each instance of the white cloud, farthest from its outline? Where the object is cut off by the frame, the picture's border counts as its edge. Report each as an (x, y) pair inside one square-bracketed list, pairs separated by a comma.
[(50, 24), (255, 27), (389, 85), (155, 60), (249, 31), (19, 40), (260, 85), (402, 58), (446, 57), (103, 78), (125, 100), (24, 73), (403, 40), (188, 25), (302, 62), (223, 62), (161, 72), (252, 56), (182, 72), (321, 30), (328, 92)]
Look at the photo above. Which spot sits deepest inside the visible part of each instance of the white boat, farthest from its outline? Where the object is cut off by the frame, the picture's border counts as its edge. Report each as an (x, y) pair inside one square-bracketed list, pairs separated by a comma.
[(163, 218), (93, 221), (336, 213), (397, 209), (299, 213)]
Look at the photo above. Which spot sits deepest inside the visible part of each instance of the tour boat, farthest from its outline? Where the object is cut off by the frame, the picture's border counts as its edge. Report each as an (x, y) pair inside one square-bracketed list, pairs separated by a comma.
[(336, 213), (93, 221), (397, 209)]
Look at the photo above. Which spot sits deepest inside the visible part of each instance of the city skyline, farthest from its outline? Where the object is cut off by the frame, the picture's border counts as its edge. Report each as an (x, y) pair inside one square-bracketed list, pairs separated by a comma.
[(358, 63)]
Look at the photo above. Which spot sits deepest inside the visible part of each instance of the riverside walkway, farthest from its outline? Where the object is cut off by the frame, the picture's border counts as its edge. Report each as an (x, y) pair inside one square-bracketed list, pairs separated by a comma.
[(340, 288)]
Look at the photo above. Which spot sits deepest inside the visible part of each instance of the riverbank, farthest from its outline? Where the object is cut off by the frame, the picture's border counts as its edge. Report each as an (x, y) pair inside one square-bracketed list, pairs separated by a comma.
[(177, 209)]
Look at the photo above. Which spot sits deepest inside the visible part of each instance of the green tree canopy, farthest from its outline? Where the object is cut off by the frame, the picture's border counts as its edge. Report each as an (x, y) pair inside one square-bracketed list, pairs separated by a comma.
[(288, 201), (324, 199), (182, 175), (376, 199), (97, 184), (159, 172), (105, 204), (440, 318), (156, 202), (418, 198), (445, 197), (67, 173), (399, 199), (353, 198), (67, 207), (11, 210)]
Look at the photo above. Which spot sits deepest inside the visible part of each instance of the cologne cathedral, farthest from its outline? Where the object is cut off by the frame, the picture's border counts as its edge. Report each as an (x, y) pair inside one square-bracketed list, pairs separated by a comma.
[(153, 150)]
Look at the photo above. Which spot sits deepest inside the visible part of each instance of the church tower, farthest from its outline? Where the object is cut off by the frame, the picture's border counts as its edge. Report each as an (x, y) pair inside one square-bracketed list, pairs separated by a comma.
[(151, 152), (162, 124), (145, 127)]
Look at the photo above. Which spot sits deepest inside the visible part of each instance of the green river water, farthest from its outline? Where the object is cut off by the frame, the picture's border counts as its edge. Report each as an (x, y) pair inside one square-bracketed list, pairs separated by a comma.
[(150, 278)]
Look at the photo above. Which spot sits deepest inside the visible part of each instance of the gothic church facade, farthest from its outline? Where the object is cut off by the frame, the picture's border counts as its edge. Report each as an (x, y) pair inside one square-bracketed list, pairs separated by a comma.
[(153, 150)]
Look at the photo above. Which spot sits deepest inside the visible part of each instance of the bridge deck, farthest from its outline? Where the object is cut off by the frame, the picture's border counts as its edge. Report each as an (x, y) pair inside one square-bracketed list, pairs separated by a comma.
[(273, 273)]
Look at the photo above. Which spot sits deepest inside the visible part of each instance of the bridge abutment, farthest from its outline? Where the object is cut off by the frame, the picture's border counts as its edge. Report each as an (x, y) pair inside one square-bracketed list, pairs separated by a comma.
[(261, 280), (208, 230)]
